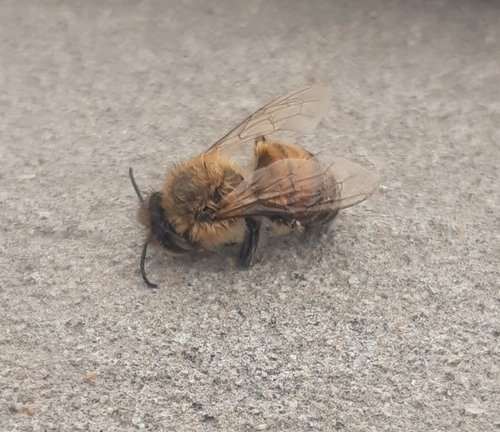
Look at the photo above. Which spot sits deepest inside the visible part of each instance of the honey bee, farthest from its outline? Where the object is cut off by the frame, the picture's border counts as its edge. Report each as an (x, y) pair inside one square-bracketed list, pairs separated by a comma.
[(210, 199)]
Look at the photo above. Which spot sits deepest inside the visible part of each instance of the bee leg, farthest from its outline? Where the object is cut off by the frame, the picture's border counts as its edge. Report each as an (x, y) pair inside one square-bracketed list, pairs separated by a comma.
[(250, 242)]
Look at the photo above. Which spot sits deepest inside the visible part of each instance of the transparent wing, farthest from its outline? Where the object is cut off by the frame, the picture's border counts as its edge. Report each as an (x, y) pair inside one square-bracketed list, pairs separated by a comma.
[(297, 111), (356, 183), (300, 188)]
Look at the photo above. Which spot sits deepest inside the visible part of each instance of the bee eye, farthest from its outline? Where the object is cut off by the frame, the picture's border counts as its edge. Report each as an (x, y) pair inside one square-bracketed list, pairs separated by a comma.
[(207, 214)]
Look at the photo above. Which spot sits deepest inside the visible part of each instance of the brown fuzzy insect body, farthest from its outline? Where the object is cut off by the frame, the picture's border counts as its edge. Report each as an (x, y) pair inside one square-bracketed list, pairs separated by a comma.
[(208, 200), (267, 154), (191, 195)]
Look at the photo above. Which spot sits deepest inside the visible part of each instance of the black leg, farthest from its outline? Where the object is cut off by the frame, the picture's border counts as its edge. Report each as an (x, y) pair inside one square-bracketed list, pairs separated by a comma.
[(250, 242)]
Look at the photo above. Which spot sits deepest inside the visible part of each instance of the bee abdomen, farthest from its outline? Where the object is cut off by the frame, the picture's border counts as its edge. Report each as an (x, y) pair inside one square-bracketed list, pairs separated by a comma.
[(267, 152)]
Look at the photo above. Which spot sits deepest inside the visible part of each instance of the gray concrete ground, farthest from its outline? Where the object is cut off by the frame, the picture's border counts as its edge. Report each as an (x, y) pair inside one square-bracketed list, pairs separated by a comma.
[(389, 322)]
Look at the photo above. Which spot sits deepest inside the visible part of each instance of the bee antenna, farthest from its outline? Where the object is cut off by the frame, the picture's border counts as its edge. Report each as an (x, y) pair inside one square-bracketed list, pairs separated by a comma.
[(134, 184), (143, 270)]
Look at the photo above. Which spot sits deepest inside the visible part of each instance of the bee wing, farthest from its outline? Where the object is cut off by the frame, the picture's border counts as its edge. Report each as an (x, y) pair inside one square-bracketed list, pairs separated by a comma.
[(297, 111), (356, 183), (297, 188)]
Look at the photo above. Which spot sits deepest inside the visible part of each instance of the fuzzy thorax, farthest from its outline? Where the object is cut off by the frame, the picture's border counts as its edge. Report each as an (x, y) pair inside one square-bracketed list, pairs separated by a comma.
[(193, 190)]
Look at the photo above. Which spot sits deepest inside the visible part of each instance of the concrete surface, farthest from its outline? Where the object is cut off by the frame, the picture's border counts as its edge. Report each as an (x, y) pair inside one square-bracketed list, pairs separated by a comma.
[(390, 322)]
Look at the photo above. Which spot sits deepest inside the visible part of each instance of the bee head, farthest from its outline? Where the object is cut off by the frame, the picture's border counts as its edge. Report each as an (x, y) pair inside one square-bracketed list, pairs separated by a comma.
[(152, 215)]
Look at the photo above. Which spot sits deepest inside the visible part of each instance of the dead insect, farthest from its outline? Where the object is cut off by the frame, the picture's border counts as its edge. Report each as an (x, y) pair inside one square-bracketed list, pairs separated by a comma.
[(210, 199)]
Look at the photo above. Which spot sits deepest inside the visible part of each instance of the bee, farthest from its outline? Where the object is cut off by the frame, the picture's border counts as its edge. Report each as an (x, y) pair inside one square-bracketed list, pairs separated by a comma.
[(211, 199)]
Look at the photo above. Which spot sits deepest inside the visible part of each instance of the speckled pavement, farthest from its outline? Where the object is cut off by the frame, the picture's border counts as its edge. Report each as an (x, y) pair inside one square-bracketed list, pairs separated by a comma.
[(390, 322)]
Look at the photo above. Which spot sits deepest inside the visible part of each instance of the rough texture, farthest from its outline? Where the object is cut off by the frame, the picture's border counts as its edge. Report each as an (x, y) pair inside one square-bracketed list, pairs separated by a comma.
[(389, 322)]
